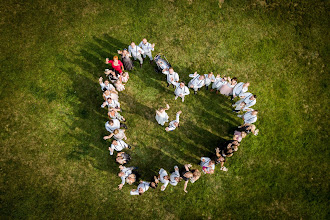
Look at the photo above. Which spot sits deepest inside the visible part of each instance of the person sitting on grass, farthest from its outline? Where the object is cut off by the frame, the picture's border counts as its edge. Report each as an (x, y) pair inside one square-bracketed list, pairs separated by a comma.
[(106, 85), (118, 146), (114, 114), (174, 124), (161, 115), (220, 159), (175, 176), (209, 78), (171, 76), (118, 134), (123, 158), (239, 135), (125, 77), (163, 178), (114, 124), (126, 172), (144, 186), (197, 82), (119, 84), (181, 90), (207, 165), (111, 104)]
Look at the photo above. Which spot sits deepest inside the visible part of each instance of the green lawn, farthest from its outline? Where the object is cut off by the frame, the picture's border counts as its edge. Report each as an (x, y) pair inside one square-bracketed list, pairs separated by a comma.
[(54, 162)]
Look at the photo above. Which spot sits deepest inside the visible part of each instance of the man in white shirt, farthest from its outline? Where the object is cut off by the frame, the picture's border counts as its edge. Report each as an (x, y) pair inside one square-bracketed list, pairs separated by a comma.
[(209, 78), (197, 82), (114, 124), (249, 101), (111, 103), (174, 124), (123, 174), (171, 76), (106, 85), (135, 52), (175, 176), (163, 178), (118, 145), (147, 48), (240, 89), (181, 90), (250, 117)]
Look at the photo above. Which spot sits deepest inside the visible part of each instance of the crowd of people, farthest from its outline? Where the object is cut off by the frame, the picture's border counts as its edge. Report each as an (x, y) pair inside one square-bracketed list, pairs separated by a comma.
[(117, 77)]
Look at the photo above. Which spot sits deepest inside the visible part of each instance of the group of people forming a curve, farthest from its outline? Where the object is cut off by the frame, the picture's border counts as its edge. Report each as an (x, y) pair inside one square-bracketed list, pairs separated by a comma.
[(117, 77)]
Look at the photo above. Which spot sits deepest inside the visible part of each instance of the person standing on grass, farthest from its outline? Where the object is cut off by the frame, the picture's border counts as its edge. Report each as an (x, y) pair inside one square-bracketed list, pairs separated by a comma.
[(175, 123), (240, 89), (147, 48), (161, 115), (114, 124), (163, 178), (124, 173), (171, 76), (197, 82), (248, 101), (209, 78), (118, 146), (106, 85), (207, 165), (136, 52), (249, 117), (116, 64), (126, 60), (228, 86), (181, 90), (175, 176)]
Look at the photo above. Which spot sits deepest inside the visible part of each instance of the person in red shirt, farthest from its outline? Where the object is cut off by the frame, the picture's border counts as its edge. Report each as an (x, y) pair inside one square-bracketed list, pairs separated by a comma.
[(116, 64)]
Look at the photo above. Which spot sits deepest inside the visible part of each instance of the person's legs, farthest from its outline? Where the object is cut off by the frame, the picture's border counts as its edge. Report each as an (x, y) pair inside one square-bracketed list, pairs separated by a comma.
[(182, 98), (140, 59)]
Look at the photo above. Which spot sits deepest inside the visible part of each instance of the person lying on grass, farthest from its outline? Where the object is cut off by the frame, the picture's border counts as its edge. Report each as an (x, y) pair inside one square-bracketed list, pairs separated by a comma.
[(118, 134), (220, 159), (110, 94), (126, 175), (106, 85), (188, 174), (123, 158), (175, 123), (175, 176), (207, 165), (111, 103), (118, 146), (163, 178), (144, 186), (114, 124), (114, 114), (112, 75)]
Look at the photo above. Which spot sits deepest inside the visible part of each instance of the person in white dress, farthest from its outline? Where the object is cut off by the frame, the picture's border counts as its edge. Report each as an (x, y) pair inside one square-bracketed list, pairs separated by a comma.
[(228, 87), (209, 78), (197, 82), (119, 85), (161, 115), (110, 94), (125, 77), (181, 91), (175, 123)]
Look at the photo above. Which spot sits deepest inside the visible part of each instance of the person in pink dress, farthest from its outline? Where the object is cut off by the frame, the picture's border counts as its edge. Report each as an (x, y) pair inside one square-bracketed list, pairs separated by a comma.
[(116, 64), (227, 88)]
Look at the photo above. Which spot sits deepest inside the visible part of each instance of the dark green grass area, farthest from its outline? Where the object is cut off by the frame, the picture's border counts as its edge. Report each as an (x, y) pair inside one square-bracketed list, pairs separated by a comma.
[(54, 162)]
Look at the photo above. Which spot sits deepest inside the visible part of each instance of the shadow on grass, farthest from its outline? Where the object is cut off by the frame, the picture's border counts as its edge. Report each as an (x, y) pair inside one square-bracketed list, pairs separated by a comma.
[(187, 143)]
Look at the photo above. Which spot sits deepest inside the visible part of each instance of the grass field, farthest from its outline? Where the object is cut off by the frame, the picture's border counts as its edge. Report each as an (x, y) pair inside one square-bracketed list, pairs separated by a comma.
[(54, 162)]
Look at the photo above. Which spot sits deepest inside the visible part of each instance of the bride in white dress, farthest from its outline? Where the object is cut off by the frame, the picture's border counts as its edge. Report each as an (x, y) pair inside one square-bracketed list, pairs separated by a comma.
[(161, 115)]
